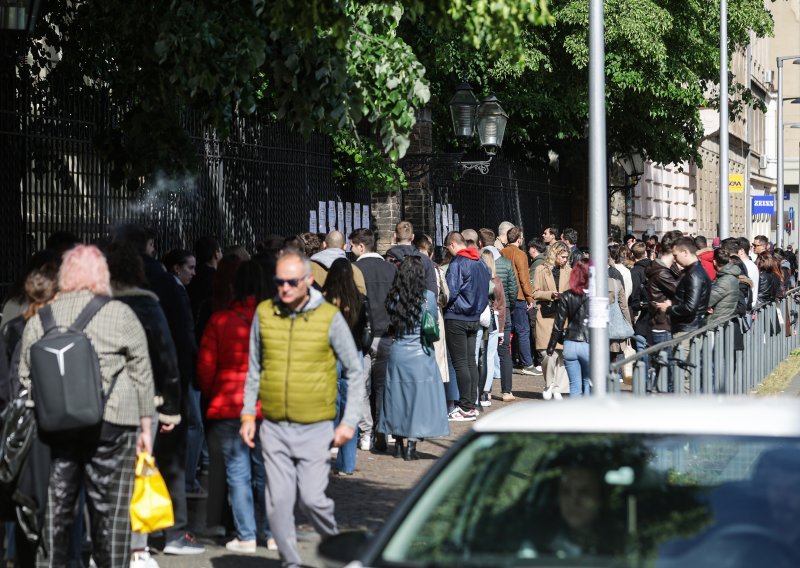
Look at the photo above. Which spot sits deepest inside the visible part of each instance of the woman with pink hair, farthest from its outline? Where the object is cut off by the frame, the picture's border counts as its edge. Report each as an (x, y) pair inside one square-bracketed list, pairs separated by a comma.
[(102, 458)]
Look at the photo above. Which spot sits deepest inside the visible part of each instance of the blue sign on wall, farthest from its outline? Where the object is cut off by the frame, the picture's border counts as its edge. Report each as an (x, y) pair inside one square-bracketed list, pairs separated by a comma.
[(763, 204)]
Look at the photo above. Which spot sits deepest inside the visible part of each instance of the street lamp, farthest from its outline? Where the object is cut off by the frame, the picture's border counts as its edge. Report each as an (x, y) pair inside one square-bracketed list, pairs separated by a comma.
[(633, 164), (489, 118), (796, 61), (18, 15)]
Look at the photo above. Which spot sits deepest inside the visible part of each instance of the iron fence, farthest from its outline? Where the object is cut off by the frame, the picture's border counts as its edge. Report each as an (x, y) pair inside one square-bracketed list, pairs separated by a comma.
[(731, 357), (511, 191), (263, 179)]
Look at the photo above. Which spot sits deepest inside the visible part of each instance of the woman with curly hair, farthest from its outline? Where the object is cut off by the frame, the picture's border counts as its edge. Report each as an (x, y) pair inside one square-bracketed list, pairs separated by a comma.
[(550, 280), (413, 398)]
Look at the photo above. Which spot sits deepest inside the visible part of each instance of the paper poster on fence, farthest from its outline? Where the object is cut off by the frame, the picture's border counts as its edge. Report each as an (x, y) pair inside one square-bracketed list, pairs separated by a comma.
[(321, 217), (331, 215), (312, 222), (437, 216), (340, 217), (456, 223), (365, 217), (356, 216), (445, 226), (450, 224), (348, 223)]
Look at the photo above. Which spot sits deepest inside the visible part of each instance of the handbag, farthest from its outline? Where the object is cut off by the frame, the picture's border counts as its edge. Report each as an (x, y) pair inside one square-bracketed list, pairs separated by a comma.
[(429, 330), (548, 308), (151, 506), (16, 436), (618, 328)]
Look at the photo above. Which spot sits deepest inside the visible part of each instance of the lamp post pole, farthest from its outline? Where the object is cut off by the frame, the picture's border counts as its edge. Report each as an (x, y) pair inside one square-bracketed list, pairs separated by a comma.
[(724, 193), (598, 204), (779, 208)]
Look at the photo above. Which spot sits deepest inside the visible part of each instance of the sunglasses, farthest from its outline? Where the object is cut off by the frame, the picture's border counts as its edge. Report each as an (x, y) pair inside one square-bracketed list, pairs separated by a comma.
[(292, 282)]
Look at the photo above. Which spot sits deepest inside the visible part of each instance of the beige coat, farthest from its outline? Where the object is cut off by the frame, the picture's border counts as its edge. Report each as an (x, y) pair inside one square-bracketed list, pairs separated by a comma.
[(543, 287)]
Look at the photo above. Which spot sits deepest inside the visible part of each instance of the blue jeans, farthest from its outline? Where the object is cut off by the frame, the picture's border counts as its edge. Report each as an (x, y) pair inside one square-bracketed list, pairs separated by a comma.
[(451, 388), (522, 327), (246, 476), (346, 457), (666, 355), (576, 360), (491, 355), (194, 436)]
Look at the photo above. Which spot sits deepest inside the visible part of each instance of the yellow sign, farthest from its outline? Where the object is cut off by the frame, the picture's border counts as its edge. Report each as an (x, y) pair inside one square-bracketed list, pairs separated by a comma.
[(736, 183)]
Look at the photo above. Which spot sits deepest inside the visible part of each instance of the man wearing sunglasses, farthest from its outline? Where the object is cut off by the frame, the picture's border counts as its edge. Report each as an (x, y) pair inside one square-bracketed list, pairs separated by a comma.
[(295, 342)]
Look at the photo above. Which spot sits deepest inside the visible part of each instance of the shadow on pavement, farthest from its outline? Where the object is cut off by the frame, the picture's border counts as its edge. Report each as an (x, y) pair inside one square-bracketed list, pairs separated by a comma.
[(244, 561)]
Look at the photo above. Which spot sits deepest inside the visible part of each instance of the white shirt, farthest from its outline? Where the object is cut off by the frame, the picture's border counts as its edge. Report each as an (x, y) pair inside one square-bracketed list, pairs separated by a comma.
[(752, 274), (626, 278)]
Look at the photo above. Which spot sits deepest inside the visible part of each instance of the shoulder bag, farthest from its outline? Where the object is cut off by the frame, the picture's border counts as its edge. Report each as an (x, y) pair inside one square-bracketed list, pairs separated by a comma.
[(618, 327)]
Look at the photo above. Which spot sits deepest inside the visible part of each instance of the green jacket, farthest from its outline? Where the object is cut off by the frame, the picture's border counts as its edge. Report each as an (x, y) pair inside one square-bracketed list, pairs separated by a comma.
[(534, 265), (298, 365), (724, 294), (505, 272)]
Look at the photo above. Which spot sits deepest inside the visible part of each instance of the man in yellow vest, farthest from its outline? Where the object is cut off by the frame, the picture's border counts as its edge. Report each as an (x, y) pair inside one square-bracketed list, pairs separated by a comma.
[(295, 341)]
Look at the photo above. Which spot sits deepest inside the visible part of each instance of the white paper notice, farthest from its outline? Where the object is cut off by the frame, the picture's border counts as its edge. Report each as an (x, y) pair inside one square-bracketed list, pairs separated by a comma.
[(365, 224), (450, 224), (356, 216), (340, 217), (445, 226), (312, 222), (598, 312), (331, 215), (348, 223), (437, 219), (321, 217), (456, 223)]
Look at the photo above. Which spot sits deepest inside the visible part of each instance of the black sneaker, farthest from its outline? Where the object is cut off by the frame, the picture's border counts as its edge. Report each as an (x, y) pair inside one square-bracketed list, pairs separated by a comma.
[(186, 545)]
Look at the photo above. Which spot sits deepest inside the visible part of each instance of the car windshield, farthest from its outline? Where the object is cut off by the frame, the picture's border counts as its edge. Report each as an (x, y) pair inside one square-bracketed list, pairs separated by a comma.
[(607, 500)]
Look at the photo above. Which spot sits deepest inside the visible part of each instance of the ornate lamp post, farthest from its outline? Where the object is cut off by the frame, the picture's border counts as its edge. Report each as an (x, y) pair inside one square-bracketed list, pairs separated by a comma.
[(489, 118)]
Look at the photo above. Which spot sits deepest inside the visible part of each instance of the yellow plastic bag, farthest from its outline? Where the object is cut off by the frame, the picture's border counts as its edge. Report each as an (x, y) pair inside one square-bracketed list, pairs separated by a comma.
[(151, 507)]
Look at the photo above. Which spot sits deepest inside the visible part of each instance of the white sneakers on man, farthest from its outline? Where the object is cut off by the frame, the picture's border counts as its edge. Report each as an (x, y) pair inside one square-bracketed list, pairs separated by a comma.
[(143, 560)]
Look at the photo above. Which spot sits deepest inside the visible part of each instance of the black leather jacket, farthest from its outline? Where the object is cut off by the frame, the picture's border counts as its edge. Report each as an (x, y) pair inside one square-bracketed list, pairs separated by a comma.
[(769, 287), (688, 310), (575, 309)]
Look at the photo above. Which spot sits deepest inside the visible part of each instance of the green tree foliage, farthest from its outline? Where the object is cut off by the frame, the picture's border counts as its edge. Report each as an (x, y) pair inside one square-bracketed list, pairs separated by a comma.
[(662, 62), (324, 65)]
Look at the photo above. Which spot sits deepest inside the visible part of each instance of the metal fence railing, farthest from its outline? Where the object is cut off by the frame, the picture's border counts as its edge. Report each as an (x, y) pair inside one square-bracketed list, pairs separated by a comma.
[(727, 358)]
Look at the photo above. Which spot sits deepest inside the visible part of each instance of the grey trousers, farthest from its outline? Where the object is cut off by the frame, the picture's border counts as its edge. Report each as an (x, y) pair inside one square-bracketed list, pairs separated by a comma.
[(297, 460)]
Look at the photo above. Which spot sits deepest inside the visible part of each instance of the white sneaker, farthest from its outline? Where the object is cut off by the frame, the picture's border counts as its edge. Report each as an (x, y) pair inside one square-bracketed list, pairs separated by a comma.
[(557, 395), (272, 544), (547, 393), (143, 560), (365, 444), (243, 546)]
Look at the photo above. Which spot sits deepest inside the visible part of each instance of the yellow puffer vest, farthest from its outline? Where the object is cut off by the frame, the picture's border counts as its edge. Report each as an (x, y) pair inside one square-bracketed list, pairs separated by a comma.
[(298, 365)]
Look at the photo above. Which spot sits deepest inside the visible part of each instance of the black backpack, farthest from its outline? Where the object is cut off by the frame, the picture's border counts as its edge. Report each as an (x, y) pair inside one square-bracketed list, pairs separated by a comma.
[(65, 374)]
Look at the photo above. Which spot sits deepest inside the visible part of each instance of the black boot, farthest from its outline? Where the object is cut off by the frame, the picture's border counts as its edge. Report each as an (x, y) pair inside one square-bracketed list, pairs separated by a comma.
[(399, 448), (380, 442), (411, 453)]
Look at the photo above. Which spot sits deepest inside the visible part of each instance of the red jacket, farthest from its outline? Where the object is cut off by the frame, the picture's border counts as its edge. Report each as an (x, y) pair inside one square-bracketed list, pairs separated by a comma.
[(222, 360), (706, 257)]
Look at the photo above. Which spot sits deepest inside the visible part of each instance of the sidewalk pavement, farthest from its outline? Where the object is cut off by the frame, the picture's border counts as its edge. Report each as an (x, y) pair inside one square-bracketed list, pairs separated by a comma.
[(363, 500)]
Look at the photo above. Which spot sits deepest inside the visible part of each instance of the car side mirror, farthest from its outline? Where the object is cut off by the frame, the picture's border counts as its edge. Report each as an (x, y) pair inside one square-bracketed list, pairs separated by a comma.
[(339, 550)]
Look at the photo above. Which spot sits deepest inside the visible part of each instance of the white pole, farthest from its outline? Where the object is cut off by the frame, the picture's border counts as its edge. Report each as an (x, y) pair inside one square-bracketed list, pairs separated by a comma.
[(724, 193), (598, 203), (779, 197)]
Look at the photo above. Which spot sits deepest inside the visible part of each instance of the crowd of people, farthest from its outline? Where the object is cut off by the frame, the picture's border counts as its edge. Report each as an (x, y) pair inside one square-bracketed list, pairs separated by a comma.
[(254, 367)]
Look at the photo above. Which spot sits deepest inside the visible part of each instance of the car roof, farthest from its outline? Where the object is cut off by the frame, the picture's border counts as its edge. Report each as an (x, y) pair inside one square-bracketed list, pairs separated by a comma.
[(748, 416)]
